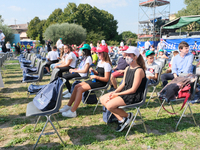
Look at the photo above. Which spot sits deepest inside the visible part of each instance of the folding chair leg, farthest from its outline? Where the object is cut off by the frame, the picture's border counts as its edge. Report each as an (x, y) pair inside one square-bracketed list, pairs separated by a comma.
[(181, 117), (109, 118), (56, 131), (172, 107), (41, 133), (56, 121), (132, 123), (37, 122), (192, 115), (87, 97), (160, 107), (102, 92), (142, 120), (154, 87)]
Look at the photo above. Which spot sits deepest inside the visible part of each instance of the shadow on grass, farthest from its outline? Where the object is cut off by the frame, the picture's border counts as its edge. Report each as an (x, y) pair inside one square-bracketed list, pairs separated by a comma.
[(11, 90)]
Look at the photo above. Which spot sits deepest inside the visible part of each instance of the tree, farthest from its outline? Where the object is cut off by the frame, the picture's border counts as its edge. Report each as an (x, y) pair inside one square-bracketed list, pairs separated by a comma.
[(1, 19), (192, 8), (94, 37), (126, 35), (54, 17), (32, 31), (8, 32), (70, 33), (91, 18)]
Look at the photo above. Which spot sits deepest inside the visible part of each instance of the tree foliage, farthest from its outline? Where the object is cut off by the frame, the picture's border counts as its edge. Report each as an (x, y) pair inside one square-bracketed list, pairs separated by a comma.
[(94, 37), (128, 36), (192, 8), (8, 32), (70, 33), (32, 28)]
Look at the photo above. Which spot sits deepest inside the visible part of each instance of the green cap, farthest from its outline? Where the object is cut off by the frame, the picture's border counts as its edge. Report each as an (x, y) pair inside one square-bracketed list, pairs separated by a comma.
[(61, 38), (149, 52), (86, 46), (161, 50)]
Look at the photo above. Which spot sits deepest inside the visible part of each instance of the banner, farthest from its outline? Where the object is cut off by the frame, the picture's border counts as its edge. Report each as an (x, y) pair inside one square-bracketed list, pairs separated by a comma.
[(172, 44), (141, 43)]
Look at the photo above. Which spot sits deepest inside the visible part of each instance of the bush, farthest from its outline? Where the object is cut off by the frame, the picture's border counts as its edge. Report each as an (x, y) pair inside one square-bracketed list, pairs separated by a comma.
[(95, 37), (70, 33), (8, 32), (113, 43)]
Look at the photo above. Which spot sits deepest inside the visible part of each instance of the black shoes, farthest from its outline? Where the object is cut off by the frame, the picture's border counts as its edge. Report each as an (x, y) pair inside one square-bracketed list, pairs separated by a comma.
[(125, 124)]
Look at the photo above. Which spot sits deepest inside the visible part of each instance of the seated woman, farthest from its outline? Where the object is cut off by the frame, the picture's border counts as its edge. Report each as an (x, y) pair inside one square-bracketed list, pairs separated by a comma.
[(130, 91), (101, 76), (70, 61), (81, 71)]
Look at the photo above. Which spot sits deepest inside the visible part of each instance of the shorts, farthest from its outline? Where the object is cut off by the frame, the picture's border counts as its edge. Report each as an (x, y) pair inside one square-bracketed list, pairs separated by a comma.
[(117, 74)]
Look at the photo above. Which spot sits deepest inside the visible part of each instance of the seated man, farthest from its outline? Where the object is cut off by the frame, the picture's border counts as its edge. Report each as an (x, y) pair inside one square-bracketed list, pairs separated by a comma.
[(152, 67), (118, 70), (52, 57), (182, 63)]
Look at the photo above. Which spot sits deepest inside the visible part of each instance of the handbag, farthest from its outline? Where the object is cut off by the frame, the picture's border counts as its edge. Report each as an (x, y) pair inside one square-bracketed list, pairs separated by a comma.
[(183, 93)]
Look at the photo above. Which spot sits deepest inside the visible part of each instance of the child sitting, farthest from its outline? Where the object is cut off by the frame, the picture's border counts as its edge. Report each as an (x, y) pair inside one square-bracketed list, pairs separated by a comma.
[(161, 54), (152, 67)]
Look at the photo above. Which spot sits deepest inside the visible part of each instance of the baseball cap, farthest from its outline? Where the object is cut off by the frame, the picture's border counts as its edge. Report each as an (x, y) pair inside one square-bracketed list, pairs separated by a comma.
[(161, 50), (94, 49), (102, 49), (61, 38), (133, 50), (124, 48), (149, 52), (86, 46), (103, 42)]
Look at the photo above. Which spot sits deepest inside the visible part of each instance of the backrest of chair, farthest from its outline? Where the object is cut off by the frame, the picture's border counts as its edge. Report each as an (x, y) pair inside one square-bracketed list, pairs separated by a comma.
[(194, 88), (108, 83), (160, 64), (38, 63), (33, 60), (54, 74), (194, 69), (145, 93), (163, 60), (29, 57), (41, 71)]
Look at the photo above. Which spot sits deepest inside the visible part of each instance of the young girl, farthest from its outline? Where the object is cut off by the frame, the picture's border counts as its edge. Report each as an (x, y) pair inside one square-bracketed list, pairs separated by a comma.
[(101, 76), (81, 71), (130, 91), (70, 61)]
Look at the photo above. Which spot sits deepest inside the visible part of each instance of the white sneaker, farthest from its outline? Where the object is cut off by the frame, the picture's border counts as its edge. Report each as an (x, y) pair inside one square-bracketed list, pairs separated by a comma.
[(65, 108), (68, 95), (69, 114), (65, 92)]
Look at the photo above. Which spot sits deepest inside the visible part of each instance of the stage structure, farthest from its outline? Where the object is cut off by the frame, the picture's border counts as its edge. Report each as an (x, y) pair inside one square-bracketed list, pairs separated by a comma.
[(152, 15)]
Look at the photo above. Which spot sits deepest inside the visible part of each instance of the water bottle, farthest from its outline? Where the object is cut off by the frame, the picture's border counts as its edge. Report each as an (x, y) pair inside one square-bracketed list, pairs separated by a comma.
[(92, 73)]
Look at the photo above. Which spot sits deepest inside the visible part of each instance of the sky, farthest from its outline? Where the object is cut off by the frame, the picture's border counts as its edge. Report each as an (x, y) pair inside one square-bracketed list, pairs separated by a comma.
[(124, 11)]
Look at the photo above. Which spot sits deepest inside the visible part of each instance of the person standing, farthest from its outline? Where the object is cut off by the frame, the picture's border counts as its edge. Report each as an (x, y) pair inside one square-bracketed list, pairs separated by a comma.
[(8, 46), (147, 45), (49, 42), (59, 43), (122, 43), (2, 37)]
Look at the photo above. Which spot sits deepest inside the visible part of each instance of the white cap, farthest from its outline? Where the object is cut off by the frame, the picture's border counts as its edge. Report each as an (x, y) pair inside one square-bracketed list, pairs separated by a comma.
[(103, 42), (132, 50)]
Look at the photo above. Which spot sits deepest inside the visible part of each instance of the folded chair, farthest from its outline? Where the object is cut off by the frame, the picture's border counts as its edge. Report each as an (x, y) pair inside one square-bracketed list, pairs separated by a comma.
[(186, 106), (102, 90), (31, 110), (154, 86), (137, 107), (39, 62)]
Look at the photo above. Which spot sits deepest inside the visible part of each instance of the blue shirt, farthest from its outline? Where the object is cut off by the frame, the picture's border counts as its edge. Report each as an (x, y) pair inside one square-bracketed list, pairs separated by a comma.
[(182, 65)]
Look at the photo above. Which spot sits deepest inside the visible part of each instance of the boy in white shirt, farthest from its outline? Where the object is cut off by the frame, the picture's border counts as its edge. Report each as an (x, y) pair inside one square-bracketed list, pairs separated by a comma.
[(53, 57)]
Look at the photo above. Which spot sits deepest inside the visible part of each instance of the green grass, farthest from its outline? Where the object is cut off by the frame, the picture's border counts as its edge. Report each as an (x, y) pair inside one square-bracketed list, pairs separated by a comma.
[(88, 131)]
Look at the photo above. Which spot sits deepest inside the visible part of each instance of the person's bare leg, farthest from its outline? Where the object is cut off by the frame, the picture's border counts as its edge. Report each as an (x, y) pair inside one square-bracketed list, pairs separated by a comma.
[(78, 96), (47, 68), (114, 83), (113, 104)]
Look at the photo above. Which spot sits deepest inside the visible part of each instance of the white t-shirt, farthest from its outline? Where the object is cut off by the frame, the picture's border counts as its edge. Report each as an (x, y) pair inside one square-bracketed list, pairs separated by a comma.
[(122, 44), (8, 46), (161, 46), (147, 45), (107, 67), (58, 43), (82, 65), (2, 36), (52, 55), (72, 56)]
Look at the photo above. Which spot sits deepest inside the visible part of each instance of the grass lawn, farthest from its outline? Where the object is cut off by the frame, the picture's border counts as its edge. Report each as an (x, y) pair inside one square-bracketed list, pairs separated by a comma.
[(88, 131)]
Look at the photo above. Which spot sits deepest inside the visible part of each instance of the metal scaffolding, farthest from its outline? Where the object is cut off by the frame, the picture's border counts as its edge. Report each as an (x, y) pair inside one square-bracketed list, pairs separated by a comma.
[(151, 15)]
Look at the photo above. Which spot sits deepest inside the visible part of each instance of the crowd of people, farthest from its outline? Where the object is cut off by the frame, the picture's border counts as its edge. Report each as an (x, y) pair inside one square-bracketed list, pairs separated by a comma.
[(134, 66)]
